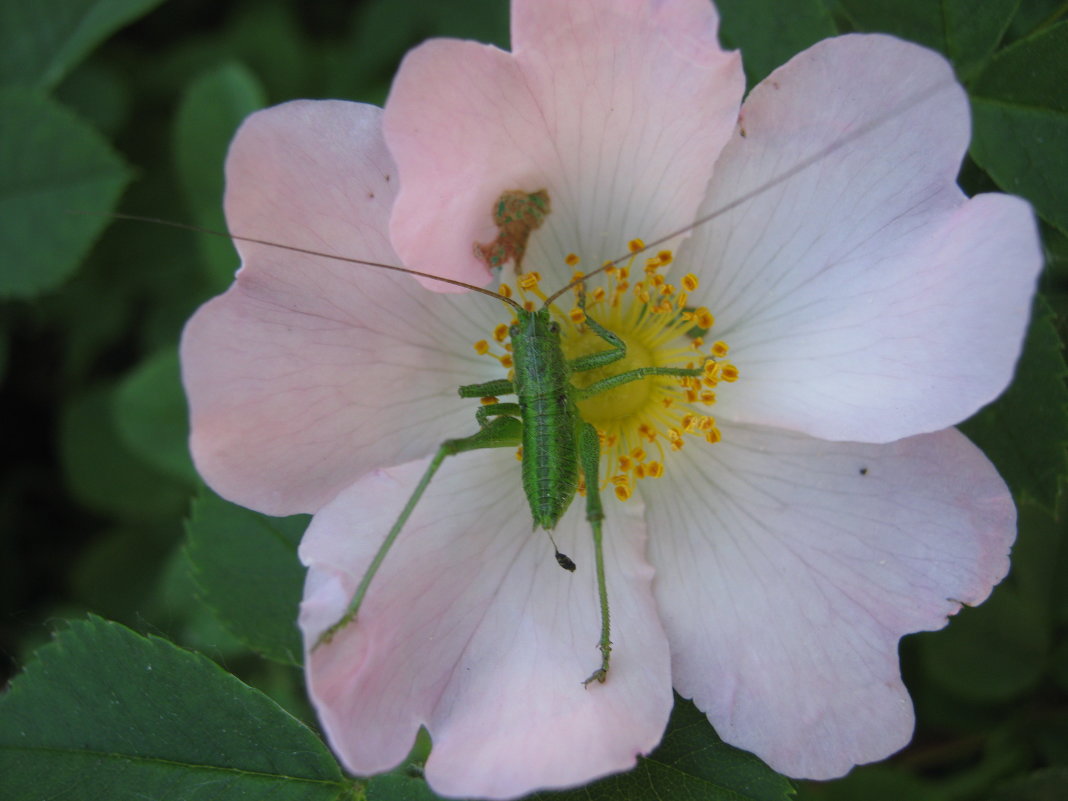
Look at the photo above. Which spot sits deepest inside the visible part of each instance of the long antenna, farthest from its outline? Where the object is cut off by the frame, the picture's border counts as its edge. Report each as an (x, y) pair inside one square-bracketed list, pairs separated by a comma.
[(745, 197), (786, 175), (307, 251)]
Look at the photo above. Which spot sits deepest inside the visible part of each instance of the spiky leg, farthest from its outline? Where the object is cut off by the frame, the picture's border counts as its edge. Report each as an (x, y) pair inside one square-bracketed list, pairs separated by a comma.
[(501, 432), (590, 454)]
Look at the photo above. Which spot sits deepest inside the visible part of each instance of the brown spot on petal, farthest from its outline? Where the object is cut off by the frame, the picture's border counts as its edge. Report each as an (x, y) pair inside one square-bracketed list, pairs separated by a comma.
[(516, 214)]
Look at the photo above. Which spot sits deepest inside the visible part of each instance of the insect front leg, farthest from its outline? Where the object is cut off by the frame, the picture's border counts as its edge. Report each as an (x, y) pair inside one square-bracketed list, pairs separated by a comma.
[(484, 413), (489, 389), (590, 454), (501, 432), (636, 374), (591, 361)]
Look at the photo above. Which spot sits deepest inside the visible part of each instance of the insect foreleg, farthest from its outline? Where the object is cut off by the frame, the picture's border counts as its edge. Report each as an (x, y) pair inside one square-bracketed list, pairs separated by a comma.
[(591, 361), (489, 389), (484, 413), (636, 374), (590, 455), (501, 432)]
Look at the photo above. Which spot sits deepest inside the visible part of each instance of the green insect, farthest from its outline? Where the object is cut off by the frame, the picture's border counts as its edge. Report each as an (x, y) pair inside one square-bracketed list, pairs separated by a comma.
[(545, 422)]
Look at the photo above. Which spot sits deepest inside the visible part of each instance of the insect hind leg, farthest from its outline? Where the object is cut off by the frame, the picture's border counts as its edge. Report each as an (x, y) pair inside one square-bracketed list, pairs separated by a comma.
[(590, 454), (501, 432)]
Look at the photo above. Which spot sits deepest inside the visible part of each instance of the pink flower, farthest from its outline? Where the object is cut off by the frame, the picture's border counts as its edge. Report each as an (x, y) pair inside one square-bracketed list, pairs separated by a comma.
[(868, 306)]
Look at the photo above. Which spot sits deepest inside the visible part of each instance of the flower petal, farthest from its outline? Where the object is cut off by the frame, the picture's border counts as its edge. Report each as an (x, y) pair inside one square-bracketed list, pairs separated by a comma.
[(795, 566), (309, 372), (471, 629), (617, 109), (863, 298)]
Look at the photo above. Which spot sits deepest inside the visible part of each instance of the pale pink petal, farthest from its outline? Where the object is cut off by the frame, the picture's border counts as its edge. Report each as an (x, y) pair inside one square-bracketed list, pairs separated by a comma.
[(309, 372), (863, 298), (788, 568), (471, 629), (618, 108)]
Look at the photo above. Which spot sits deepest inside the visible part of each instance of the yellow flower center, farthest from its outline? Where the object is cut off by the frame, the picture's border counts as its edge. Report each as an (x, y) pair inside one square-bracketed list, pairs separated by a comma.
[(618, 403), (640, 421)]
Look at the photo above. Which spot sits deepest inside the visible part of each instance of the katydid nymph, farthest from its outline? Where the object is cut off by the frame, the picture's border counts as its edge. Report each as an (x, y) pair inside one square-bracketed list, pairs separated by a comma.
[(544, 421)]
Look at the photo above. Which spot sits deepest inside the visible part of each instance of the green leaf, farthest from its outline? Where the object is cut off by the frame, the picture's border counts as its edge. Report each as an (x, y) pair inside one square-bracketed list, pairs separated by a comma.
[(1021, 121), (247, 569), (964, 31), (974, 30), (119, 571), (399, 787), (102, 712), (152, 418), (100, 470), (98, 94), (1025, 431), (769, 34), (51, 163), (211, 110), (919, 21), (990, 654), (691, 763), (41, 40)]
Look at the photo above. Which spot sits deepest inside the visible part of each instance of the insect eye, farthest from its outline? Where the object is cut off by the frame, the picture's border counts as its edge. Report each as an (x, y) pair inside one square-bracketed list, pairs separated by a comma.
[(554, 327)]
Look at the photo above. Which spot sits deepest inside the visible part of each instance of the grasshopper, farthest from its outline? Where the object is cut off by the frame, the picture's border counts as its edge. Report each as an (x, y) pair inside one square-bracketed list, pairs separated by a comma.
[(545, 422)]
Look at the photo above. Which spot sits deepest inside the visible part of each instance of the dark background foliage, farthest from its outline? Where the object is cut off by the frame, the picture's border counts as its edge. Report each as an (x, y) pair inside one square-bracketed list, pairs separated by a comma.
[(129, 105)]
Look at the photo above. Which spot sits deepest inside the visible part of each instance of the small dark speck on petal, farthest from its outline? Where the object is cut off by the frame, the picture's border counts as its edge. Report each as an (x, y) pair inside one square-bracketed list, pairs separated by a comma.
[(864, 471)]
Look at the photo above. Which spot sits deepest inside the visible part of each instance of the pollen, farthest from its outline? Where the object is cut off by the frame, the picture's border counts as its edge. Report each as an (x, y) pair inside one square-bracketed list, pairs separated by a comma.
[(571, 260)]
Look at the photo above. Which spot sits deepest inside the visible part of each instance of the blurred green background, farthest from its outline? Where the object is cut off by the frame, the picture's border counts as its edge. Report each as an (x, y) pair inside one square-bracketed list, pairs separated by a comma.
[(129, 105)]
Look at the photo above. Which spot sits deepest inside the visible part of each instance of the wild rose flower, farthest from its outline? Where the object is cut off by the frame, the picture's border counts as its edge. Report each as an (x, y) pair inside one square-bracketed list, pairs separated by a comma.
[(867, 304)]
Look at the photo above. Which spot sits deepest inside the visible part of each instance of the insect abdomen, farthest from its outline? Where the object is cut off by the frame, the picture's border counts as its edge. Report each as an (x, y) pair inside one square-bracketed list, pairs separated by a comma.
[(542, 384)]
